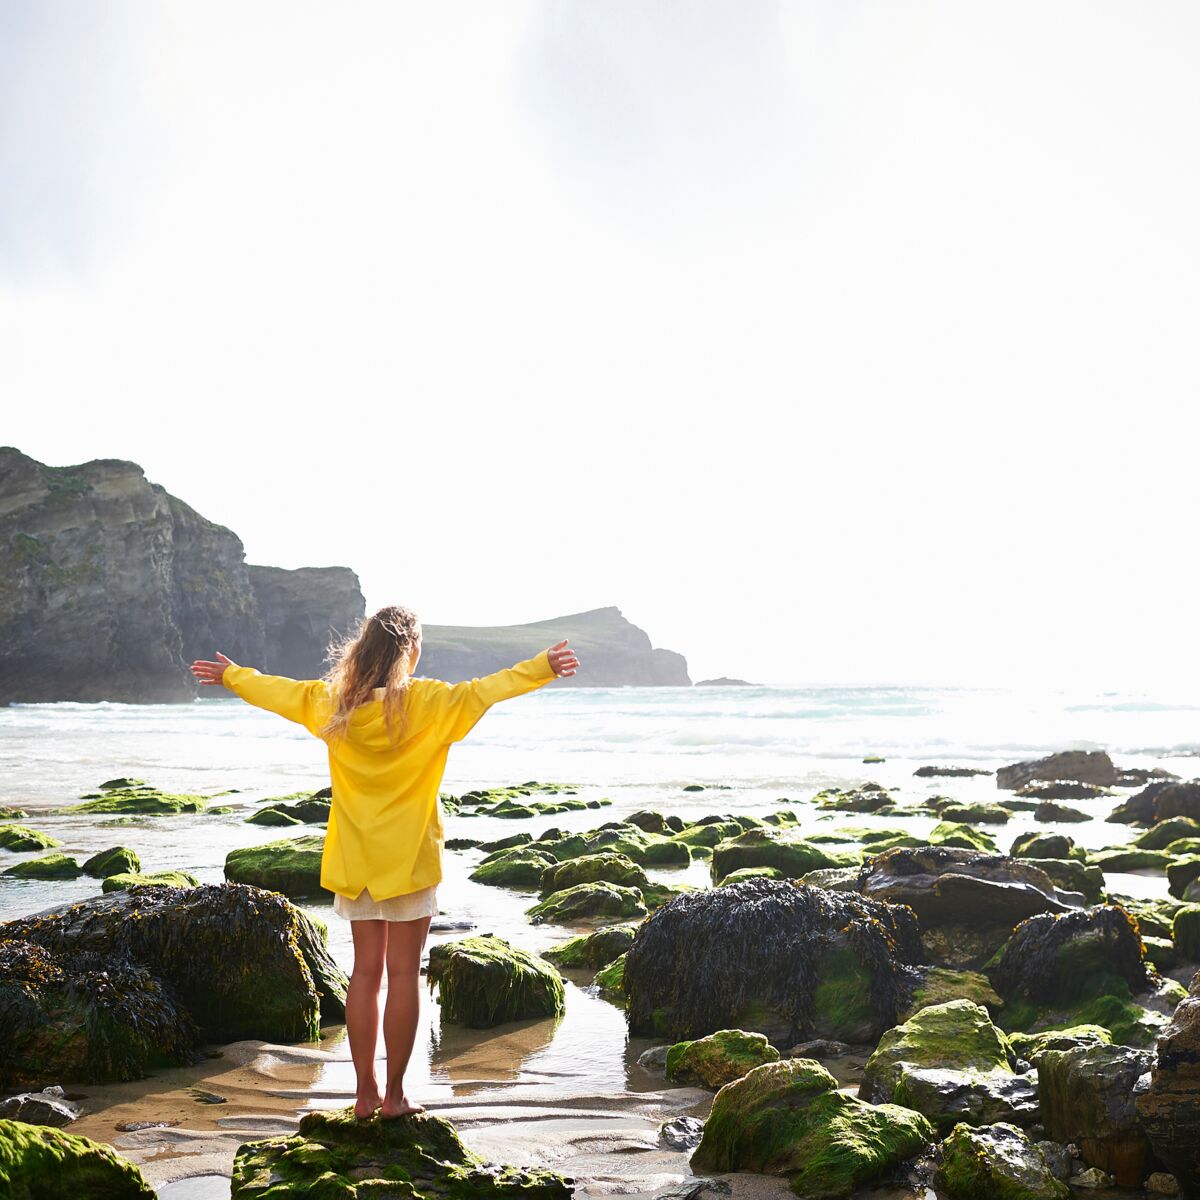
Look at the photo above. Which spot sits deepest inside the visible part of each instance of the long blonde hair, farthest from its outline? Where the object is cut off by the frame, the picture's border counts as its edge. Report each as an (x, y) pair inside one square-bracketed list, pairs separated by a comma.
[(376, 654)]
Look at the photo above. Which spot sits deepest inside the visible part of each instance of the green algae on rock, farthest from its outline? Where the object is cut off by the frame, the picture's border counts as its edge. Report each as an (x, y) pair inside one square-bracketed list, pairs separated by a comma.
[(483, 981), (116, 860), (1159, 836), (20, 838), (49, 866), (937, 985), (610, 980), (760, 873), (272, 816), (961, 836), (1032, 1046), (1071, 875), (788, 1118), (291, 866), (1185, 932), (793, 857), (588, 902), (779, 958), (177, 879), (335, 1156), (997, 1162), (592, 950), (519, 867), (142, 799), (245, 962), (83, 1017), (718, 1058), (1045, 845), (42, 1163), (589, 868)]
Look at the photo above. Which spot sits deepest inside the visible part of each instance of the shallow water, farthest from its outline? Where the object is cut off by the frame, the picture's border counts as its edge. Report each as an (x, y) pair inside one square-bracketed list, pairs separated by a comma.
[(751, 748)]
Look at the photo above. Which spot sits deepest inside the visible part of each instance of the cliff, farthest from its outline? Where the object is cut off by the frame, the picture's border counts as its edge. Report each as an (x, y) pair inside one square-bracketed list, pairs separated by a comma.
[(110, 586), (612, 652)]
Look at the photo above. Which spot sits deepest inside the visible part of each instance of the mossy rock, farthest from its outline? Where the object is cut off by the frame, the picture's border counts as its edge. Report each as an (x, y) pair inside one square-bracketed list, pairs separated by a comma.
[(1159, 836), (40, 1163), (939, 985), (964, 837), (291, 866), (753, 873), (719, 1058), (618, 837), (1031, 1046), (1049, 811), (84, 1017), (520, 867), (783, 817), (300, 808), (8, 813), (122, 783), (793, 857), (592, 950), (335, 1156), (20, 838), (484, 981), (588, 902), (788, 1118), (117, 860), (1073, 876), (590, 868), (49, 866), (1126, 858), (869, 798), (505, 843), (147, 801), (1044, 845), (1182, 872), (120, 883), (708, 833), (610, 980), (837, 879), (1185, 932), (1154, 917), (980, 813), (272, 816), (997, 1162)]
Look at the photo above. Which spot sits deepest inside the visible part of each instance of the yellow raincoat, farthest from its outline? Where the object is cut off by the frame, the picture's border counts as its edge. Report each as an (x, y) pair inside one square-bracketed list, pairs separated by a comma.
[(385, 825)]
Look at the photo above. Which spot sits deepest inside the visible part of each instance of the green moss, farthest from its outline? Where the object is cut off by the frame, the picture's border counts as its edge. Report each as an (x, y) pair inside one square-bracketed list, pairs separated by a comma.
[(979, 813), (272, 816), (144, 800), (995, 1163), (1045, 845), (588, 901), (483, 981), (940, 985), (126, 880), (1030, 1046), (763, 848), (719, 1058), (708, 833), (592, 950), (1181, 872), (1159, 836), (842, 1007), (117, 860), (1185, 932), (291, 866), (520, 867), (787, 1118), (39, 1163), (8, 813), (20, 838), (610, 980), (588, 868), (335, 1156), (752, 873), (1124, 858), (954, 833), (49, 866), (1073, 876)]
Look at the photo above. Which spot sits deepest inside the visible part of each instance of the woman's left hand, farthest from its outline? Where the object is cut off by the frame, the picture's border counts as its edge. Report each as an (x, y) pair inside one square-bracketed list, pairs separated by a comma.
[(562, 660), (211, 673)]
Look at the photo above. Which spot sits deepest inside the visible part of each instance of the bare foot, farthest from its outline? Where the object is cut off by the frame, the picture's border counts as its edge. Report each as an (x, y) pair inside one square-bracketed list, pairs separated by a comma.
[(365, 1105), (399, 1108)]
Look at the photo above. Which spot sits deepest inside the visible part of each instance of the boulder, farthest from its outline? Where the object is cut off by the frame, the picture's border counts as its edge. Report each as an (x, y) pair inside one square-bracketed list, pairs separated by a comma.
[(176, 879), (935, 772), (1074, 766), (504, 843), (967, 903), (245, 963), (1160, 801), (869, 798), (49, 866), (1168, 1103), (592, 950), (1051, 813), (291, 866), (587, 902), (1031, 1046), (517, 867), (117, 860), (1087, 1098), (619, 837), (1160, 836), (1180, 873), (773, 873), (1071, 875), (788, 1118), (84, 1018), (794, 857), (139, 799), (997, 1162), (978, 813), (1043, 845), (40, 1163), (483, 982), (778, 958), (335, 1156), (20, 838), (681, 1133), (949, 1062), (719, 1058), (1129, 858), (610, 981), (1061, 791), (50, 1106), (937, 985), (590, 868), (1185, 932)]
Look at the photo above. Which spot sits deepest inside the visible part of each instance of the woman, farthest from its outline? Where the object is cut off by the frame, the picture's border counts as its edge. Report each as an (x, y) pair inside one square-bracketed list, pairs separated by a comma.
[(388, 735)]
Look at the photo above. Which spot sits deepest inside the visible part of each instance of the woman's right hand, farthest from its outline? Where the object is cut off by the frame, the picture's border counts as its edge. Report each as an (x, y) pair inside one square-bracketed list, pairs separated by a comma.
[(562, 660), (211, 673)]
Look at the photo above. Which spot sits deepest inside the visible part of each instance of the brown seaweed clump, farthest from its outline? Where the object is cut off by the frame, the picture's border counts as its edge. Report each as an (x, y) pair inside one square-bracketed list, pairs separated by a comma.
[(778, 957)]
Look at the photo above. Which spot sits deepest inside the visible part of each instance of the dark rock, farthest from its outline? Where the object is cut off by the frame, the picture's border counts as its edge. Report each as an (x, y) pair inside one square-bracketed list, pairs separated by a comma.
[(967, 903), (47, 1107), (949, 772), (1043, 845), (1049, 812), (1061, 790), (335, 1156), (1087, 1097), (681, 1133), (654, 1059), (1160, 801), (1076, 766), (1168, 1103), (782, 959), (1160, 836)]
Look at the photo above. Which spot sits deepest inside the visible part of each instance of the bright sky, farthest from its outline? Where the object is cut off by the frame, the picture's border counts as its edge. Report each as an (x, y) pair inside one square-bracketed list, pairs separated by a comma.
[(838, 340)]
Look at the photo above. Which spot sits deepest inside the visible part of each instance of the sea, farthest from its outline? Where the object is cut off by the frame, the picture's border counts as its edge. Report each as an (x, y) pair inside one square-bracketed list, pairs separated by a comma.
[(750, 749)]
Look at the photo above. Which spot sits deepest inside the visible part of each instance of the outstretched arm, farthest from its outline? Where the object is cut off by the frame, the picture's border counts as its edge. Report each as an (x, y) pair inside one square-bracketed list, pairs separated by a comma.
[(464, 703), (299, 700)]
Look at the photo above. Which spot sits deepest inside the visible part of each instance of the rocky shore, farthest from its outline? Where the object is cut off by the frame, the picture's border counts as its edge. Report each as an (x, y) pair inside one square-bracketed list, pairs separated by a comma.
[(844, 1005)]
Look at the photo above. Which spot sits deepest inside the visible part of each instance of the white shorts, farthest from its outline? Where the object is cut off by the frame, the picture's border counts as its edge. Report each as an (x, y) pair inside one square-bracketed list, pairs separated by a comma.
[(409, 907)]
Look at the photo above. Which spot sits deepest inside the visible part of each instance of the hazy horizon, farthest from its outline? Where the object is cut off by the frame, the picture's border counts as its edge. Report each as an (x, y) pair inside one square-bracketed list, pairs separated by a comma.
[(831, 342)]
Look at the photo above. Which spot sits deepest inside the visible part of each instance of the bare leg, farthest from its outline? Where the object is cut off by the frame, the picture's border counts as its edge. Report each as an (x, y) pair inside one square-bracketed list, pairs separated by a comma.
[(406, 940), (362, 1010)]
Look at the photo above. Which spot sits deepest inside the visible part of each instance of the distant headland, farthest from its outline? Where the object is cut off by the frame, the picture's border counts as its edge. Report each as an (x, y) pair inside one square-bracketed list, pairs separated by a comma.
[(110, 586)]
